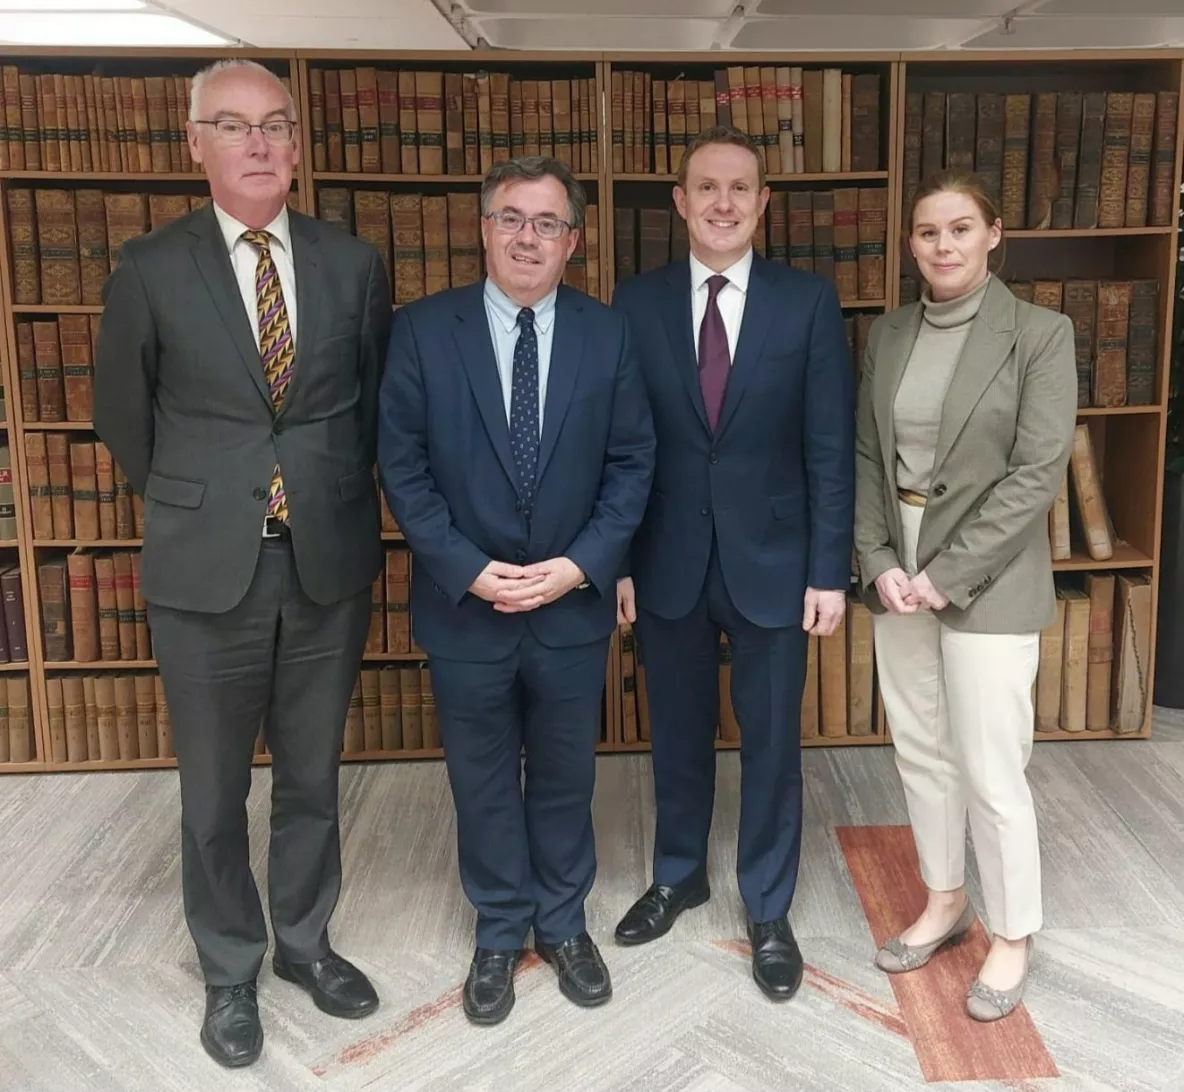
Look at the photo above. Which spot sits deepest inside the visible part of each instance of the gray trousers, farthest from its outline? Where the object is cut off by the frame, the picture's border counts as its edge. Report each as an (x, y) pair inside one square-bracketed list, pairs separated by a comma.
[(281, 656)]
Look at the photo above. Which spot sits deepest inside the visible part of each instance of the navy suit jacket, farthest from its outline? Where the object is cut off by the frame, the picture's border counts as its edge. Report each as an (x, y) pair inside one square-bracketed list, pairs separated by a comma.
[(776, 480), (449, 477)]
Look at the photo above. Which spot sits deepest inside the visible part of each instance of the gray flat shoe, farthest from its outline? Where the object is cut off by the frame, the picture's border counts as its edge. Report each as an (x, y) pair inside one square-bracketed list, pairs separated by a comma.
[(986, 1004), (895, 956)]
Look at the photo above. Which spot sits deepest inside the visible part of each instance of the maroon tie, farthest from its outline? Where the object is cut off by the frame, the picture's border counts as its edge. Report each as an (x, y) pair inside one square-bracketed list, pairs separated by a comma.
[(715, 361)]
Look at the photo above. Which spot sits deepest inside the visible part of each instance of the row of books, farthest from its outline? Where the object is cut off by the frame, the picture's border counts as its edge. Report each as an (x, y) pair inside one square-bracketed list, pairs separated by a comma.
[(839, 234), (7, 496), (1115, 333), (431, 242), (78, 491), (55, 367), (92, 609), (1055, 159), (816, 120), (63, 122), (16, 722), (370, 120)]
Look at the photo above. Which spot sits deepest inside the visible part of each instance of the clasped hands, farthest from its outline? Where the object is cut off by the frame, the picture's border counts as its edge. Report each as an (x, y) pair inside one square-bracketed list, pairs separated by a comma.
[(513, 589), (900, 595)]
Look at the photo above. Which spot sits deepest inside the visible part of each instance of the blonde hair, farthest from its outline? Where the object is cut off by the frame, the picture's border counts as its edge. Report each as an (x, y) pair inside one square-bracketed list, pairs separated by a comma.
[(230, 63)]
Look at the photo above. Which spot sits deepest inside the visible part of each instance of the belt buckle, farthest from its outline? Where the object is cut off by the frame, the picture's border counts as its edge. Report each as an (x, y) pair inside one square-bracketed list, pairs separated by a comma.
[(274, 528)]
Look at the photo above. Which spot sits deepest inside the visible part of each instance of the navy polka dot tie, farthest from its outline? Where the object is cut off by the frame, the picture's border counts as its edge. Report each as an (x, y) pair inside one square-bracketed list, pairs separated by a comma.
[(524, 405)]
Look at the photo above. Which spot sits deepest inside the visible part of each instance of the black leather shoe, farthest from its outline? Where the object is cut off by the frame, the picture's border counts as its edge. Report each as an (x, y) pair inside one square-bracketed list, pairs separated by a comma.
[(583, 977), (231, 1032), (336, 985), (489, 989), (657, 910), (776, 959)]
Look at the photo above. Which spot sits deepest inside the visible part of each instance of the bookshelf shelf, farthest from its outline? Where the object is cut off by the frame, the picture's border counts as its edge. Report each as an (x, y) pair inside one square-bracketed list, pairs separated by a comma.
[(1128, 439)]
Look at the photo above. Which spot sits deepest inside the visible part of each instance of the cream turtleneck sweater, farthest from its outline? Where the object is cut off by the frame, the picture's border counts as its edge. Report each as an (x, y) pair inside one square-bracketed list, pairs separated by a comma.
[(917, 410)]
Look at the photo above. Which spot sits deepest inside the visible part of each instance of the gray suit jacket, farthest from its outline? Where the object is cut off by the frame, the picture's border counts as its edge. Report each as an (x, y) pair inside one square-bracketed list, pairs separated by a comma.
[(182, 402), (1003, 447)]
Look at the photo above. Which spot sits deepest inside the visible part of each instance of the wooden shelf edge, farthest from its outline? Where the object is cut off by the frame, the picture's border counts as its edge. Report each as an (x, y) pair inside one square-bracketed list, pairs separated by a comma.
[(806, 176), (426, 179), (98, 543), (1061, 736), (101, 176), (15, 667), (1124, 557), (99, 665), (22, 767)]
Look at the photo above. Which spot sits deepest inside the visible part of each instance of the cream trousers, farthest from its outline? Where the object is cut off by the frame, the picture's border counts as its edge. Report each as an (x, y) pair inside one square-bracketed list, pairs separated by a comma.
[(959, 706)]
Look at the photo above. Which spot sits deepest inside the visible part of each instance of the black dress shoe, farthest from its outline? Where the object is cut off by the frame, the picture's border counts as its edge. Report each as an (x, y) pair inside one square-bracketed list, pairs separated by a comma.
[(336, 985), (776, 959), (489, 989), (231, 1032), (583, 977), (658, 909)]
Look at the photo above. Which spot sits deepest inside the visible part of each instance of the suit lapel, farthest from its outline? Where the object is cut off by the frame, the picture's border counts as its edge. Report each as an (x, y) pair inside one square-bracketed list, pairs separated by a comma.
[(480, 365), (991, 336), (759, 308), (893, 354), (213, 263), (566, 350), (676, 313), (307, 264)]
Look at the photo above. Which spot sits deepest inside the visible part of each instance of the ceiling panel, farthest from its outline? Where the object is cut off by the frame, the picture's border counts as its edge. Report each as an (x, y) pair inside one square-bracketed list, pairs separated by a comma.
[(921, 9), (309, 32), (1107, 7), (871, 33), (594, 32), (1096, 33), (671, 9)]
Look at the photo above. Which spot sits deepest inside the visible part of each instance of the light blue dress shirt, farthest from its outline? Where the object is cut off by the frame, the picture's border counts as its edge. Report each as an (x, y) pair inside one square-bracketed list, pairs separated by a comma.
[(503, 328)]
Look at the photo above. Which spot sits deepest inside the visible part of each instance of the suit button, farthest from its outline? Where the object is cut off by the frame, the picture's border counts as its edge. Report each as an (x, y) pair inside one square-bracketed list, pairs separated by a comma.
[(939, 491), (277, 429), (713, 458), (260, 494), (520, 556), (705, 511)]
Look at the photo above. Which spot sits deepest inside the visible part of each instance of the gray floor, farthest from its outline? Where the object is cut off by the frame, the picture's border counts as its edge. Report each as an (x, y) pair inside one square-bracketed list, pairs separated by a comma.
[(99, 990)]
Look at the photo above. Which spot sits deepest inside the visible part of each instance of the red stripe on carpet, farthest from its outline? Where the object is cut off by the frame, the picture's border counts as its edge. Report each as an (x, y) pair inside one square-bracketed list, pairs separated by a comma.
[(950, 1046)]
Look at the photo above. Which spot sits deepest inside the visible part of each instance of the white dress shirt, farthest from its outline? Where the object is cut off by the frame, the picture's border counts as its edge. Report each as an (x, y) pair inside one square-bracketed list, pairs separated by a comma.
[(730, 299), (244, 258), (502, 313)]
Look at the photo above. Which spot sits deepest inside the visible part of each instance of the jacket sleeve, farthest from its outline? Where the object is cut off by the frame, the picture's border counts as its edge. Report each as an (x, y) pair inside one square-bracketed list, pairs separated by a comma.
[(376, 327), (601, 548), (873, 545), (829, 446), (1046, 417), (453, 560), (126, 371)]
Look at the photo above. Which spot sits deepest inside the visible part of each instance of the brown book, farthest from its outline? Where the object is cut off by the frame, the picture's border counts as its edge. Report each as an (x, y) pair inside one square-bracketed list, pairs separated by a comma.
[(91, 713), (1138, 176), (366, 91), (398, 617), (801, 230), (1017, 116), (316, 114), (914, 112), (84, 632), (23, 242), (409, 690), (334, 120), (145, 698), (390, 714), (435, 244), (390, 155), (57, 445), (676, 121), (106, 717), (127, 217), (859, 668), (94, 261), (809, 714), (1110, 364), (55, 621), (873, 238), (57, 239), (140, 610), (1075, 672), (429, 121), (1058, 519), (1049, 672), (127, 523), (376, 634), (813, 116), (125, 604), (1116, 145), (469, 99), (1163, 159), (13, 598), (107, 608), (354, 738), (77, 367), (865, 122), (546, 116), (74, 712), (372, 214), (1100, 589), (961, 107), (1141, 343), (832, 689), (56, 715), (1133, 613), (407, 231), (824, 233), (37, 473), (729, 726), (464, 238), (933, 132), (1042, 179), (371, 716), (334, 207), (1091, 503), (847, 226), (20, 723), (84, 490), (1081, 305)]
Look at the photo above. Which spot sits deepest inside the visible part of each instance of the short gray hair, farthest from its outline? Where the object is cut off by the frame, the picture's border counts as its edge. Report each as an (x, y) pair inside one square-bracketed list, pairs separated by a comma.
[(527, 168), (202, 77)]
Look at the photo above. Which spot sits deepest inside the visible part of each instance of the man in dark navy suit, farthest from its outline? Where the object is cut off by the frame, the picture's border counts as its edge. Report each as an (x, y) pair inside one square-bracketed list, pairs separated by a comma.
[(748, 531), (516, 451)]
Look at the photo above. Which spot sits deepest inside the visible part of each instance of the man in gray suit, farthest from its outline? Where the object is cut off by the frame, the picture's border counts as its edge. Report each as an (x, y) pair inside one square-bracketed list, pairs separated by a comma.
[(236, 384)]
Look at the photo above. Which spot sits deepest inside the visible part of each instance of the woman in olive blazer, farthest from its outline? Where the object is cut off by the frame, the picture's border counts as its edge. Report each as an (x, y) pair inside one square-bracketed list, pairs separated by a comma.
[(966, 414)]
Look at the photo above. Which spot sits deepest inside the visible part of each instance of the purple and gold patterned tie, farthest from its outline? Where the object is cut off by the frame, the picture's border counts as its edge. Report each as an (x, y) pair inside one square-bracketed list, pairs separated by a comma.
[(715, 359), (275, 348)]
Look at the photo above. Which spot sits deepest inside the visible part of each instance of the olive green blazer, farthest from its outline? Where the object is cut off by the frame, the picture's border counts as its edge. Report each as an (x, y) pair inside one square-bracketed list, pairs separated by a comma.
[(1003, 446)]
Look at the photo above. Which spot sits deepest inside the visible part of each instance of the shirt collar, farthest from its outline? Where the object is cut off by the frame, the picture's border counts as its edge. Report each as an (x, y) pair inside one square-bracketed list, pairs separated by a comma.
[(737, 273), (232, 229), (505, 310)]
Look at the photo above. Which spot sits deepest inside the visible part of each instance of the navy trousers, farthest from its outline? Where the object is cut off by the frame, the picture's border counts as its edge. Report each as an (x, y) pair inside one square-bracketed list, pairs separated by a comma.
[(524, 831), (681, 659)]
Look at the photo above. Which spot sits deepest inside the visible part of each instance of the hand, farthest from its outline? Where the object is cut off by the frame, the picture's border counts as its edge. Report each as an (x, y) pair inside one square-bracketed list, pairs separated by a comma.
[(823, 611), (893, 587), (922, 593), (626, 601), (498, 577), (542, 582)]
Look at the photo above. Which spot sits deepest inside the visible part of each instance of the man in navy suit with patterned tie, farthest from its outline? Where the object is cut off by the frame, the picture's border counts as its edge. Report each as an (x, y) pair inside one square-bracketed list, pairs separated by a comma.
[(748, 531), (516, 450)]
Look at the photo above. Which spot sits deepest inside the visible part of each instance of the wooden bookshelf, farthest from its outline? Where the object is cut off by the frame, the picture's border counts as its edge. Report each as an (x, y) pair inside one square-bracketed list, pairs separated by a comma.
[(1128, 439)]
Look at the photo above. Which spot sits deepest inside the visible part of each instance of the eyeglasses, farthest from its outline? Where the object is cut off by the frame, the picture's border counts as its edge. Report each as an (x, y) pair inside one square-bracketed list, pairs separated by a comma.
[(233, 131), (545, 227)]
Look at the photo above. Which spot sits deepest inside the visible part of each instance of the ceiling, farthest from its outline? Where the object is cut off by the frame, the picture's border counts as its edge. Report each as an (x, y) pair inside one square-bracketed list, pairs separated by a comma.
[(798, 25)]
